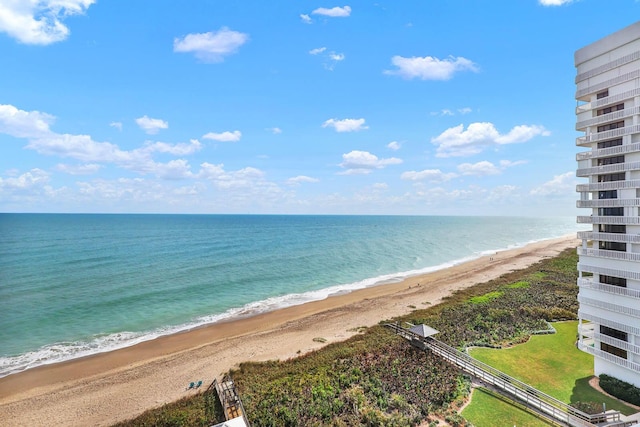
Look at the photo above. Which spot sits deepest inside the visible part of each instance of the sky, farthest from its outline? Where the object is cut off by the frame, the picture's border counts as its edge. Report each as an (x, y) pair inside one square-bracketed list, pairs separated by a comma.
[(412, 107)]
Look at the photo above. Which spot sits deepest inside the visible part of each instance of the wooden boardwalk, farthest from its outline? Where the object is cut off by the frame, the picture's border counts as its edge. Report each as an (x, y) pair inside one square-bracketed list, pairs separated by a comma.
[(230, 400), (531, 397)]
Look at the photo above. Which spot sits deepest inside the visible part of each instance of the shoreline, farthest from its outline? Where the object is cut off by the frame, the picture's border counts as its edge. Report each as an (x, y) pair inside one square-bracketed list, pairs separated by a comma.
[(109, 387)]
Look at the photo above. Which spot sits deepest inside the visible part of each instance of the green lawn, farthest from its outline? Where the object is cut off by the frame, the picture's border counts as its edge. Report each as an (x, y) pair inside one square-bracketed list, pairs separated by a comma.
[(553, 365), (488, 411)]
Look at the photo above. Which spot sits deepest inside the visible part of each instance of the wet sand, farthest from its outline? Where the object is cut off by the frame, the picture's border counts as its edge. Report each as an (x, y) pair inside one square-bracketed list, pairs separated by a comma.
[(111, 387)]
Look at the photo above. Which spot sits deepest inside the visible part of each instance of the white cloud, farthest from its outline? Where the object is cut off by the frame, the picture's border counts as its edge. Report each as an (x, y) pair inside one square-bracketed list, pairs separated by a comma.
[(297, 180), (211, 46), (432, 175), (24, 124), (275, 130), (224, 136), (334, 12), (117, 125), (430, 68), (151, 126), (176, 149), (483, 168), (330, 58), (317, 50), (456, 141), (464, 110), (554, 2), (39, 21), (346, 125), (560, 185), (393, 145), (363, 162), (35, 177), (305, 18), (336, 56), (86, 169)]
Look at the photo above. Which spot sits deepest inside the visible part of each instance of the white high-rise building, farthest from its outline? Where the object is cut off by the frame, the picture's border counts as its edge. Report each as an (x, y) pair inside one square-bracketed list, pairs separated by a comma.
[(608, 112)]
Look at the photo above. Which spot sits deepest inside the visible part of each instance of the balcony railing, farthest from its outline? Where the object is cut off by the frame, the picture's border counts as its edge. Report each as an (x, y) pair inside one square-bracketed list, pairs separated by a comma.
[(617, 343), (616, 167), (619, 220), (603, 253), (608, 271), (584, 314), (611, 185), (609, 237), (607, 203), (616, 308), (604, 118), (588, 283), (609, 357), (608, 66), (609, 134), (610, 151), (608, 83)]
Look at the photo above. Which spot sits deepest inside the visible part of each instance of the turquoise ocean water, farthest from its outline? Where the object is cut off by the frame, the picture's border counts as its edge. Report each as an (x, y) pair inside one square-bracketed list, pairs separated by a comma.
[(74, 285)]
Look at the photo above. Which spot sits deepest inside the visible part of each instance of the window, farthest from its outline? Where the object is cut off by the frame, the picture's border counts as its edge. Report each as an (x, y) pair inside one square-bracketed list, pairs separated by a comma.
[(613, 350), (610, 143), (611, 126), (610, 228), (611, 211), (610, 160), (602, 94), (611, 194), (610, 109), (613, 333), (613, 246), (615, 281), (611, 177)]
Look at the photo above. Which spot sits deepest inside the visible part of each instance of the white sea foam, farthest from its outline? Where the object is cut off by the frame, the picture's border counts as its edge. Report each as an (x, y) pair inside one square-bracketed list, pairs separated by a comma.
[(65, 351)]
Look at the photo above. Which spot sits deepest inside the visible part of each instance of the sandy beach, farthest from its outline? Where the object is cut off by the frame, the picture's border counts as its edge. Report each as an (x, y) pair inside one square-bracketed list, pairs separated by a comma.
[(110, 387)]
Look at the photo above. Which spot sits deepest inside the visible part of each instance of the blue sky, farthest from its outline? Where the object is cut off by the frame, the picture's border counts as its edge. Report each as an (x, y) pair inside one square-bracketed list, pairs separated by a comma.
[(427, 107)]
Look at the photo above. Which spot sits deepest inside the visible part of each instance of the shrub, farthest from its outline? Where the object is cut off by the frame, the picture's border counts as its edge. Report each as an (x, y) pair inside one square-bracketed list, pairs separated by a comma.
[(620, 389), (588, 407)]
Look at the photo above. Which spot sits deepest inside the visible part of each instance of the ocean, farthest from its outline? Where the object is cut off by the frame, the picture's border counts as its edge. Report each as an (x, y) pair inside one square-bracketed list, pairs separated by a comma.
[(72, 285)]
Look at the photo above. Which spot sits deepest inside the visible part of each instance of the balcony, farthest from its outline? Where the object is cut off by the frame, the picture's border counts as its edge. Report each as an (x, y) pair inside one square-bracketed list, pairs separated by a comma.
[(607, 203), (615, 308), (608, 271), (609, 357), (616, 167), (611, 185), (618, 220), (608, 66), (632, 75), (609, 237), (617, 343), (589, 283), (604, 118), (606, 152), (584, 315), (585, 141), (603, 253)]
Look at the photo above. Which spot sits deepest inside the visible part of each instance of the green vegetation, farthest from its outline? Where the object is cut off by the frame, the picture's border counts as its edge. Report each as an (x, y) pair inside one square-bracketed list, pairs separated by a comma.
[(553, 365), (620, 389), (376, 378), (491, 409), (485, 298)]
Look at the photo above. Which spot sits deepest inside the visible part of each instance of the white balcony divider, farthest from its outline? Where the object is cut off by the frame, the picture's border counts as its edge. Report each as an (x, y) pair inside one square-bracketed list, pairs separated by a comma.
[(634, 330), (604, 118), (610, 289), (608, 66), (610, 357), (610, 151), (607, 203), (616, 167), (620, 220), (611, 185), (609, 134), (608, 271), (608, 83), (609, 237)]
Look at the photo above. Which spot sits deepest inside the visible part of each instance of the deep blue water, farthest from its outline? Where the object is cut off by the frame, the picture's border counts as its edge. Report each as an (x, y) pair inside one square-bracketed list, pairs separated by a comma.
[(75, 284)]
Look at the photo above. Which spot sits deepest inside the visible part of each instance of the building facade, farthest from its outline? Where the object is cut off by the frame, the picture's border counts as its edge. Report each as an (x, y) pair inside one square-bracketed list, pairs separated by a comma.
[(608, 112)]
